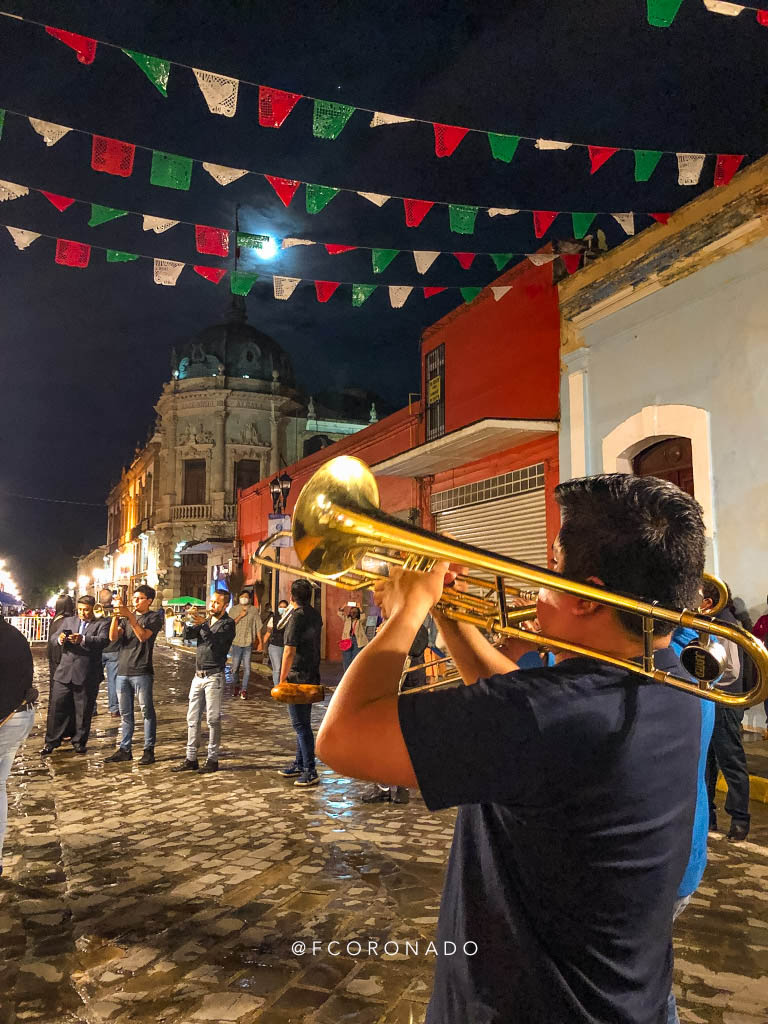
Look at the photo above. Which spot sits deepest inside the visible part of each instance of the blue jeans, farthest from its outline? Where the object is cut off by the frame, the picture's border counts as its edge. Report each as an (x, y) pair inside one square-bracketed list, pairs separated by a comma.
[(347, 657), (275, 660), (12, 735), (109, 661), (142, 687), (241, 656), (301, 720)]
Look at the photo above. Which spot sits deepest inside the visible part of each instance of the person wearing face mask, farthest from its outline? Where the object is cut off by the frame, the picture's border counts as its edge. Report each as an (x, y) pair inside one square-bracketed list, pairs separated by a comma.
[(273, 638), (247, 629)]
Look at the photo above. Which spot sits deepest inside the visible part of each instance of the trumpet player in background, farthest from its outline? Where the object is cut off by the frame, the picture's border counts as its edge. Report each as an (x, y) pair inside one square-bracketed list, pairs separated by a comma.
[(214, 633), (576, 784)]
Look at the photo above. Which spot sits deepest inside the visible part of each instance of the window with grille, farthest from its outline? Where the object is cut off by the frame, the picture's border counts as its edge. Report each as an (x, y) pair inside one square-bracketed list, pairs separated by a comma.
[(434, 391)]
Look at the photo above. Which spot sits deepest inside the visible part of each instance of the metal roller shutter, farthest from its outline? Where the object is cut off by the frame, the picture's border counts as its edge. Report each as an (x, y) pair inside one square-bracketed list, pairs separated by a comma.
[(515, 526)]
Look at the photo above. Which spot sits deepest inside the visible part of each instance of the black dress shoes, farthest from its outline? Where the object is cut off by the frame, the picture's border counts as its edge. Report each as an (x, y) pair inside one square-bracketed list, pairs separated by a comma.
[(46, 751), (738, 832)]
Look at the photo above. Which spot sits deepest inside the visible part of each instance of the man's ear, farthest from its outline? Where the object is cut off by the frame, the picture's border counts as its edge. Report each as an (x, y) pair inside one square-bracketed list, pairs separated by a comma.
[(584, 607)]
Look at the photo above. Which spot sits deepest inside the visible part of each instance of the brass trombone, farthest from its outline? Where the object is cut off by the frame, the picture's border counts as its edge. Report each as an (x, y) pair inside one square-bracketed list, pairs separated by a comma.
[(343, 539)]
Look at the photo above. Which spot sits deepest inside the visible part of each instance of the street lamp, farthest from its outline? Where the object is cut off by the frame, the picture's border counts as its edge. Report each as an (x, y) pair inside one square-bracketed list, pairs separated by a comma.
[(279, 488)]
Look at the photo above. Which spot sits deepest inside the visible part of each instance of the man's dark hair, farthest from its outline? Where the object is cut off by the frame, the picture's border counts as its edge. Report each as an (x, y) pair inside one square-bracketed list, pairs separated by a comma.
[(301, 591), (64, 606), (244, 593), (641, 536), (710, 590), (221, 592), (86, 599), (146, 590)]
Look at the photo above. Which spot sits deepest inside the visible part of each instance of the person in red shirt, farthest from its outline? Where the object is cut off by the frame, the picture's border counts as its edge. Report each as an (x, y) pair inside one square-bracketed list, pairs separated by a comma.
[(760, 630)]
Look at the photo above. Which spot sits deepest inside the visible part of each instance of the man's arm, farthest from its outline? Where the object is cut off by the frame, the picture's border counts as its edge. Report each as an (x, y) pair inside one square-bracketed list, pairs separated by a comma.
[(98, 639), (474, 657), (289, 653), (115, 629), (142, 634), (219, 639)]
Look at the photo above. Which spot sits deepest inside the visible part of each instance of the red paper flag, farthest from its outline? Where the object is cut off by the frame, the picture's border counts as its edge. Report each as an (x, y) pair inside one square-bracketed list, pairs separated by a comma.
[(727, 165), (416, 210), (334, 250), (275, 105), (84, 47), (432, 290), (466, 259), (285, 187), (213, 274), (212, 241), (598, 156), (112, 156), (662, 218), (543, 221), (762, 17), (572, 261), (325, 289), (447, 138), (60, 202), (72, 254)]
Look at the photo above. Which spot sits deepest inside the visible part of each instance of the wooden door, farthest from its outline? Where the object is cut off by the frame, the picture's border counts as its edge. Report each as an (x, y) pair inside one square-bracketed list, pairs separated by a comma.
[(669, 460)]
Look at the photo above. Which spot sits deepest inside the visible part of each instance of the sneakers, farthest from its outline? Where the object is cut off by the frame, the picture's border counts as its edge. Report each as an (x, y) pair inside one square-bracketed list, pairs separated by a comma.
[(46, 751), (79, 748), (738, 832), (119, 755), (290, 770), (376, 795), (243, 695), (236, 691), (148, 757), (401, 795), (186, 766), (209, 766), (307, 779)]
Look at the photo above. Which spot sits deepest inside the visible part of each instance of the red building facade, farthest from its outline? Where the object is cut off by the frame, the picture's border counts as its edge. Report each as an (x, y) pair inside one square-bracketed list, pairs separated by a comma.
[(476, 456)]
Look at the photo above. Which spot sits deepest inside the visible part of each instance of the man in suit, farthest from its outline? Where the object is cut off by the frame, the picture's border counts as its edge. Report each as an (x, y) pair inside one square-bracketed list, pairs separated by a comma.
[(82, 638)]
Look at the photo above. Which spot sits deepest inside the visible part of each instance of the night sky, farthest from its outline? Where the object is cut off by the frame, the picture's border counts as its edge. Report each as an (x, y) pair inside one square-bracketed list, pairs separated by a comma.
[(85, 352)]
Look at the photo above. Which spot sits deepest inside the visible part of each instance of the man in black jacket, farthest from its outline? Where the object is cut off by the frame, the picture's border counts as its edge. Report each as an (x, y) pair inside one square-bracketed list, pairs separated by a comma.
[(17, 712), (82, 638), (214, 638)]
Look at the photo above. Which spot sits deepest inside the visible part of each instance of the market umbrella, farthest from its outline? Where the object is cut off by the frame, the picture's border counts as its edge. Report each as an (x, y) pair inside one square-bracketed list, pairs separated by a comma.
[(176, 601)]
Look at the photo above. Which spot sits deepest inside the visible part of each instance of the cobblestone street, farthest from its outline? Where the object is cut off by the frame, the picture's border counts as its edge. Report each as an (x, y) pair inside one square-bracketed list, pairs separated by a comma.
[(132, 894)]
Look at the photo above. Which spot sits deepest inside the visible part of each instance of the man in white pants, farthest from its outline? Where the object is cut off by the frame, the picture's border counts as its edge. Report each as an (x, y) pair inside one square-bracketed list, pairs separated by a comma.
[(214, 634)]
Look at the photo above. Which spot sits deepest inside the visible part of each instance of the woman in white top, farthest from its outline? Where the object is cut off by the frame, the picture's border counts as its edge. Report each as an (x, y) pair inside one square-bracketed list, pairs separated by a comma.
[(353, 636)]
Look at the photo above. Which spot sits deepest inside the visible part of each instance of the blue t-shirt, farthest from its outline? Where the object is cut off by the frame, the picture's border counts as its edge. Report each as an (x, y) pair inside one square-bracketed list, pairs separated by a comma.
[(697, 860), (576, 788)]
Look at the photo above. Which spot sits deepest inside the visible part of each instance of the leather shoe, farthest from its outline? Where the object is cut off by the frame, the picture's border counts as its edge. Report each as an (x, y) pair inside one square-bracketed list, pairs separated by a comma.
[(401, 795), (119, 755), (209, 766), (376, 795), (186, 766), (79, 748), (46, 751), (738, 832)]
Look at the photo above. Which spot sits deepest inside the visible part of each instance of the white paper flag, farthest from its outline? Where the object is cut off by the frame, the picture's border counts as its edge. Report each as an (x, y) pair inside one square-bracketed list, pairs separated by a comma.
[(21, 237), (721, 7), (424, 260), (157, 224), (10, 191), (398, 293), (223, 175), (288, 243), (689, 167), (284, 287), (500, 211), (167, 271), (538, 259), (379, 119), (220, 93), (625, 221), (51, 133), (374, 197), (552, 144), (499, 291)]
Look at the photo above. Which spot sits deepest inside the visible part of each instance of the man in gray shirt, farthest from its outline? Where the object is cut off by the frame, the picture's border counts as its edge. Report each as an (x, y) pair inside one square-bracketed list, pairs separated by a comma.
[(247, 631)]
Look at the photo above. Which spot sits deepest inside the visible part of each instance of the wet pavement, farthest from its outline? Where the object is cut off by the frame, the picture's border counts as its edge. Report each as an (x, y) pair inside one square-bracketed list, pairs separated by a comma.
[(133, 894)]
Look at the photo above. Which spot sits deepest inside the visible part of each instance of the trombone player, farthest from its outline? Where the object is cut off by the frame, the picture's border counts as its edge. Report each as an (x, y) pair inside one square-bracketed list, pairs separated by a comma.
[(576, 783)]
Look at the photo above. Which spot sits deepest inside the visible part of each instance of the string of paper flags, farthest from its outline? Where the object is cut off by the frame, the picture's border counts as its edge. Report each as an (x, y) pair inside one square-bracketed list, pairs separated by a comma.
[(70, 253), (330, 118), (661, 13), (168, 170), (216, 241)]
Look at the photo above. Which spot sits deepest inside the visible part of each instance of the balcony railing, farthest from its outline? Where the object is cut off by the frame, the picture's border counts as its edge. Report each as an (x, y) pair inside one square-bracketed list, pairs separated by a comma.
[(187, 512), (230, 512)]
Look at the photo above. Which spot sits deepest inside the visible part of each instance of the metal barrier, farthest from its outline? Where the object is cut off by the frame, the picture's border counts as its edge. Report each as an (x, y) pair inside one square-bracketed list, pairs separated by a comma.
[(35, 628)]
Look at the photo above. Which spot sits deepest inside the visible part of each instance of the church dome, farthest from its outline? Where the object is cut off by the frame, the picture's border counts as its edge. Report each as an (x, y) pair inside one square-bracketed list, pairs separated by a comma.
[(233, 349)]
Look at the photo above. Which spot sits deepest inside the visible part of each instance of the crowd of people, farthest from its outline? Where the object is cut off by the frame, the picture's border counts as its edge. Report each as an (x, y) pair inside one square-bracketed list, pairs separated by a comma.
[(584, 791)]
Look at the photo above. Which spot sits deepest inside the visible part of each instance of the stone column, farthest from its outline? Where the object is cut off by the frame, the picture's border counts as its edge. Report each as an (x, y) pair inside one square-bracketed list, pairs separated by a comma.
[(168, 489), (218, 462), (274, 441)]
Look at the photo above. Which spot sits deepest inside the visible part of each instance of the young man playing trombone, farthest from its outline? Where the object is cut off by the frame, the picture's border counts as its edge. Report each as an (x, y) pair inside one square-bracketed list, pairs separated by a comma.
[(575, 784)]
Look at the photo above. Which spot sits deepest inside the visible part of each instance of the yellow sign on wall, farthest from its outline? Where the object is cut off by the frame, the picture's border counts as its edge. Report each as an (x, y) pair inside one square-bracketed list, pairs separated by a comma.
[(433, 390)]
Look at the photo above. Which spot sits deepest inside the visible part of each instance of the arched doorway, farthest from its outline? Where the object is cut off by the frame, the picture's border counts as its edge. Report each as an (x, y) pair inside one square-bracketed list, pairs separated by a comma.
[(671, 460)]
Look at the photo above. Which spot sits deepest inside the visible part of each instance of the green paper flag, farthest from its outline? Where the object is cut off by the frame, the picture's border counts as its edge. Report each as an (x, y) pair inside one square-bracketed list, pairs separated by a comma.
[(318, 197), (101, 214), (249, 241), (360, 293), (116, 256), (329, 119), (501, 259), (156, 70), (2, 122), (462, 218), (381, 258), (468, 294), (645, 163), (241, 281), (661, 13), (503, 147), (581, 223), (171, 171)]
